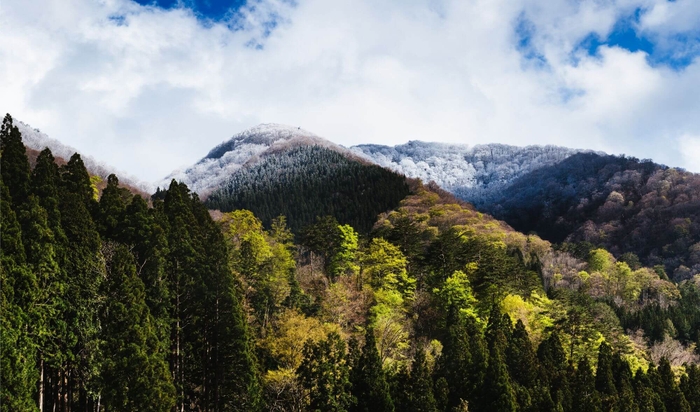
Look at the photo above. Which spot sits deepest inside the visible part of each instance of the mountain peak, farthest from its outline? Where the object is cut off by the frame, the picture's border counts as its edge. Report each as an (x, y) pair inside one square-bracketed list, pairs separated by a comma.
[(266, 134)]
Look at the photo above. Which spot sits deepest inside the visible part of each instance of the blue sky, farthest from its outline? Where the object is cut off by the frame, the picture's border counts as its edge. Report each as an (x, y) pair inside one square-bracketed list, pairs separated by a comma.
[(215, 10), (123, 79)]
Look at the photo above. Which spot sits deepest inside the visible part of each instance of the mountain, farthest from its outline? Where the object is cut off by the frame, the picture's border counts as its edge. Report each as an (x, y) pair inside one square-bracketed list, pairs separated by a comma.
[(620, 203), (277, 170), (474, 174), (36, 141), (244, 149)]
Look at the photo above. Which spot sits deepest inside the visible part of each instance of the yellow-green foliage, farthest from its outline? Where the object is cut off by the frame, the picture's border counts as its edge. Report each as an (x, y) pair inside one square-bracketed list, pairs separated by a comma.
[(94, 181), (537, 313), (383, 266), (291, 331), (457, 292)]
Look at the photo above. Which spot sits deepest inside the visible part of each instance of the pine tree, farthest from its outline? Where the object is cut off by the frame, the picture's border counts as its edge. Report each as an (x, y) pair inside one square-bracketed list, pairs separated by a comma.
[(324, 375), (14, 165), (668, 389), (498, 389), (587, 398), (135, 375), (463, 360), (690, 384), (553, 367), (369, 385), (521, 358), (84, 271), (420, 386), (604, 380), (17, 349), (112, 207)]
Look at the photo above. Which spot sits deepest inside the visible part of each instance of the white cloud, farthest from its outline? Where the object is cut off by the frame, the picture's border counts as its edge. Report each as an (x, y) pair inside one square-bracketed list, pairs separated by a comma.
[(690, 150), (149, 90)]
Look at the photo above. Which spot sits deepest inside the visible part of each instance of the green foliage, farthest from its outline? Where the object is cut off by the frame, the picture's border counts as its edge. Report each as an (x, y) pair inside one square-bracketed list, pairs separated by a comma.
[(369, 385), (134, 374), (324, 374)]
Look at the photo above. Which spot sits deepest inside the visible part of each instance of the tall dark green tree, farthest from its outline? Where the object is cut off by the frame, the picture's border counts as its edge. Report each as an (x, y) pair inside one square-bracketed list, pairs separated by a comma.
[(134, 374), (553, 370), (369, 385), (464, 358), (324, 375), (17, 350), (498, 388), (690, 385), (604, 380), (84, 271), (587, 398), (14, 165), (667, 388), (420, 386)]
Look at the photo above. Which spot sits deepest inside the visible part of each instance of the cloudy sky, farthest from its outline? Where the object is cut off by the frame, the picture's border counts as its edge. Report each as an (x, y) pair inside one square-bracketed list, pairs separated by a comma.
[(151, 85)]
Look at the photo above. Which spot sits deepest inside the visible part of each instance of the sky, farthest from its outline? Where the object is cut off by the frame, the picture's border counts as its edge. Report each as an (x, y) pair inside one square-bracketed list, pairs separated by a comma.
[(149, 86)]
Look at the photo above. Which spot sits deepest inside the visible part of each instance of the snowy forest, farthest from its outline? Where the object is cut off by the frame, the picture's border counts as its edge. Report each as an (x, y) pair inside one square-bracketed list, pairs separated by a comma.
[(115, 302)]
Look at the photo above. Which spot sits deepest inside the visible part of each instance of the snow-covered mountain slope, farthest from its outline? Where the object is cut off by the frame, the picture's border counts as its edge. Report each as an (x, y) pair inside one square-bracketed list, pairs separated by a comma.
[(244, 149), (471, 173), (36, 140)]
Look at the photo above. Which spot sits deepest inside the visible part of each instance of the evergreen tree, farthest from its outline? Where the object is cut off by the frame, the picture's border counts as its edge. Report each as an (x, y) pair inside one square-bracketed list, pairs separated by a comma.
[(553, 367), (112, 206), (369, 385), (84, 271), (668, 389), (587, 398), (17, 350), (420, 386), (463, 360), (604, 380), (135, 375), (324, 374), (498, 389), (14, 165), (690, 384), (521, 358)]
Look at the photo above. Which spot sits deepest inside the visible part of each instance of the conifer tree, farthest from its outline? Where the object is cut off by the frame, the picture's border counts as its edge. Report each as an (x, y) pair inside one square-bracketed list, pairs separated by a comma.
[(420, 386), (587, 398), (671, 395), (46, 310), (463, 359), (17, 350), (324, 375), (112, 207), (14, 165), (84, 271), (521, 358), (690, 384), (498, 389), (369, 385), (553, 367), (135, 375), (604, 380)]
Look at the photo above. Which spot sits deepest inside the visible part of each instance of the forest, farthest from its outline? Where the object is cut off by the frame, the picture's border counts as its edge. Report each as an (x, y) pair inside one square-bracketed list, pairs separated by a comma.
[(620, 203), (113, 302)]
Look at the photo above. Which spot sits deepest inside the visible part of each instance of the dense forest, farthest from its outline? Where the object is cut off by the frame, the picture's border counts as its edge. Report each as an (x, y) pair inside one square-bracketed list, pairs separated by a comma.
[(309, 181), (114, 303), (622, 204)]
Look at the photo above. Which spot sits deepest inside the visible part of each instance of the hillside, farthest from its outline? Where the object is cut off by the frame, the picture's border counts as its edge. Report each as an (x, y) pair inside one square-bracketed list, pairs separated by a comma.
[(114, 304), (474, 174), (245, 148), (305, 182), (36, 141), (622, 204)]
